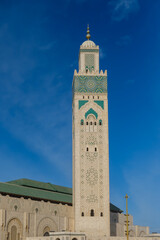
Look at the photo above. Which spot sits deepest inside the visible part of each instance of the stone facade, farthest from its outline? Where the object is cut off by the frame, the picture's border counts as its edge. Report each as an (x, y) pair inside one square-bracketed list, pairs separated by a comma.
[(32, 218), (29, 218), (118, 228)]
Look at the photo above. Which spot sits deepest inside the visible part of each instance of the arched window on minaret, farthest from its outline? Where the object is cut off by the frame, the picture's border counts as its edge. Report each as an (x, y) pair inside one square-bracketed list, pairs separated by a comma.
[(82, 122), (100, 122), (92, 213), (92, 122)]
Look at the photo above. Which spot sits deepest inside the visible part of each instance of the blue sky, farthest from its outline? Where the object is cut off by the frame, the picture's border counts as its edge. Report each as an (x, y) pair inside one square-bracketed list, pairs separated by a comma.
[(39, 46)]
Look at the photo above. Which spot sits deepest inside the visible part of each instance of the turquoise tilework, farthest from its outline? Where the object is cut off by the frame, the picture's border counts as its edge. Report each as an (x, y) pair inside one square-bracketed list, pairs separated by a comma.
[(100, 103), (91, 111), (90, 84), (89, 50), (82, 102)]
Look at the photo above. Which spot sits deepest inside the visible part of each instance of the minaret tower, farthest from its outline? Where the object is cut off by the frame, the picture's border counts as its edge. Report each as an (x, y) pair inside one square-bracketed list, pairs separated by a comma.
[(90, 144)]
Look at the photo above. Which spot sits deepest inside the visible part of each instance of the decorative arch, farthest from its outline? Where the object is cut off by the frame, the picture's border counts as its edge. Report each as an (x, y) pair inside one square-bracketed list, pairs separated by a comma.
[(46, 223), (14, 229), (91, 111), (141, 234), (46, 231)]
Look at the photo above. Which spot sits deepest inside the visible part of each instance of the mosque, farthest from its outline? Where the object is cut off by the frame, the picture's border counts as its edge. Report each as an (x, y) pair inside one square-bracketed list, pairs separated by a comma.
[(32, 210)]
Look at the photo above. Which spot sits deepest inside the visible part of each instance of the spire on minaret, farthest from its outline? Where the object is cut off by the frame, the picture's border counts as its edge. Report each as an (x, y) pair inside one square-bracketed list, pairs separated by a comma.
[(88, 36)]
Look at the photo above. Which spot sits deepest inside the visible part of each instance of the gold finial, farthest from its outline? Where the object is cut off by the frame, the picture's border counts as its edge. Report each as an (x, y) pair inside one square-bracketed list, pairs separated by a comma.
[(126, 196), (88, 36)]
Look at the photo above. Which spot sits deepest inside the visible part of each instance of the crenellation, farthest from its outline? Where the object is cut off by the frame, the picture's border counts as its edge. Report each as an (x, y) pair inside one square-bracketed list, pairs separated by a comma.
[(90, 73)]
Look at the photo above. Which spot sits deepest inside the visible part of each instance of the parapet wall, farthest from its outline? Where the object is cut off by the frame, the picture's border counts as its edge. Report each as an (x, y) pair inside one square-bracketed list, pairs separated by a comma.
[(71, 237)]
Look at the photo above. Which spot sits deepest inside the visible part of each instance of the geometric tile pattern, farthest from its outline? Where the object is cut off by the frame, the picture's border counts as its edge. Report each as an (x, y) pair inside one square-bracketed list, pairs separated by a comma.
[(90, 84), (89, 61)]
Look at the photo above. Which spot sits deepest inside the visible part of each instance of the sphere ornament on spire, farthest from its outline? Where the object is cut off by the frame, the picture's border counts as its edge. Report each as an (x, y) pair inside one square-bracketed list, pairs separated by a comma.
[(88, 36), (88, 43)]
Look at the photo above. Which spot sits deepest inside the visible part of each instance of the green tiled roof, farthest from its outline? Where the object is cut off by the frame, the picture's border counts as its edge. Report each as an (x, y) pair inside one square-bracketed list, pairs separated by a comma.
[(113, 208), (35, 193), (41, 185), (41, 191)]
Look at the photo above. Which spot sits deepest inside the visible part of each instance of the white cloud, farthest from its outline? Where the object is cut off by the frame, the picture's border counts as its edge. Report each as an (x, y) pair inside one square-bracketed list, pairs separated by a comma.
[(122, 8)]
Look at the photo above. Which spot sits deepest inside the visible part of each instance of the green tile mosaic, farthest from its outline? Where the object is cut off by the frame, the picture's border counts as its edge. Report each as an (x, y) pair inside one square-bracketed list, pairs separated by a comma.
[(91, 111), (100, 103), (90, 84), (89, 50), (82, 102)]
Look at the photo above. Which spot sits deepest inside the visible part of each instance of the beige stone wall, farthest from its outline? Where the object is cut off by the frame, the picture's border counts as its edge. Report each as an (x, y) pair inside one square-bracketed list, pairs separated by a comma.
[(82, 58), (118, 227), (32, 218), (91, 168)]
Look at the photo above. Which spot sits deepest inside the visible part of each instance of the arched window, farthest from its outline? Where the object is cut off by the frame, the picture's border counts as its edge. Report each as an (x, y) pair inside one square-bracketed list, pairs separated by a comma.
[(87, 149), (95, 149), (101, 214), (86, 123), (83, 97), (95, 123), (86, 69), (82, 122), (15, 207), (90, 123), (92, 213), (82, 214), (98, 97), (36, 210), (100, 122)]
